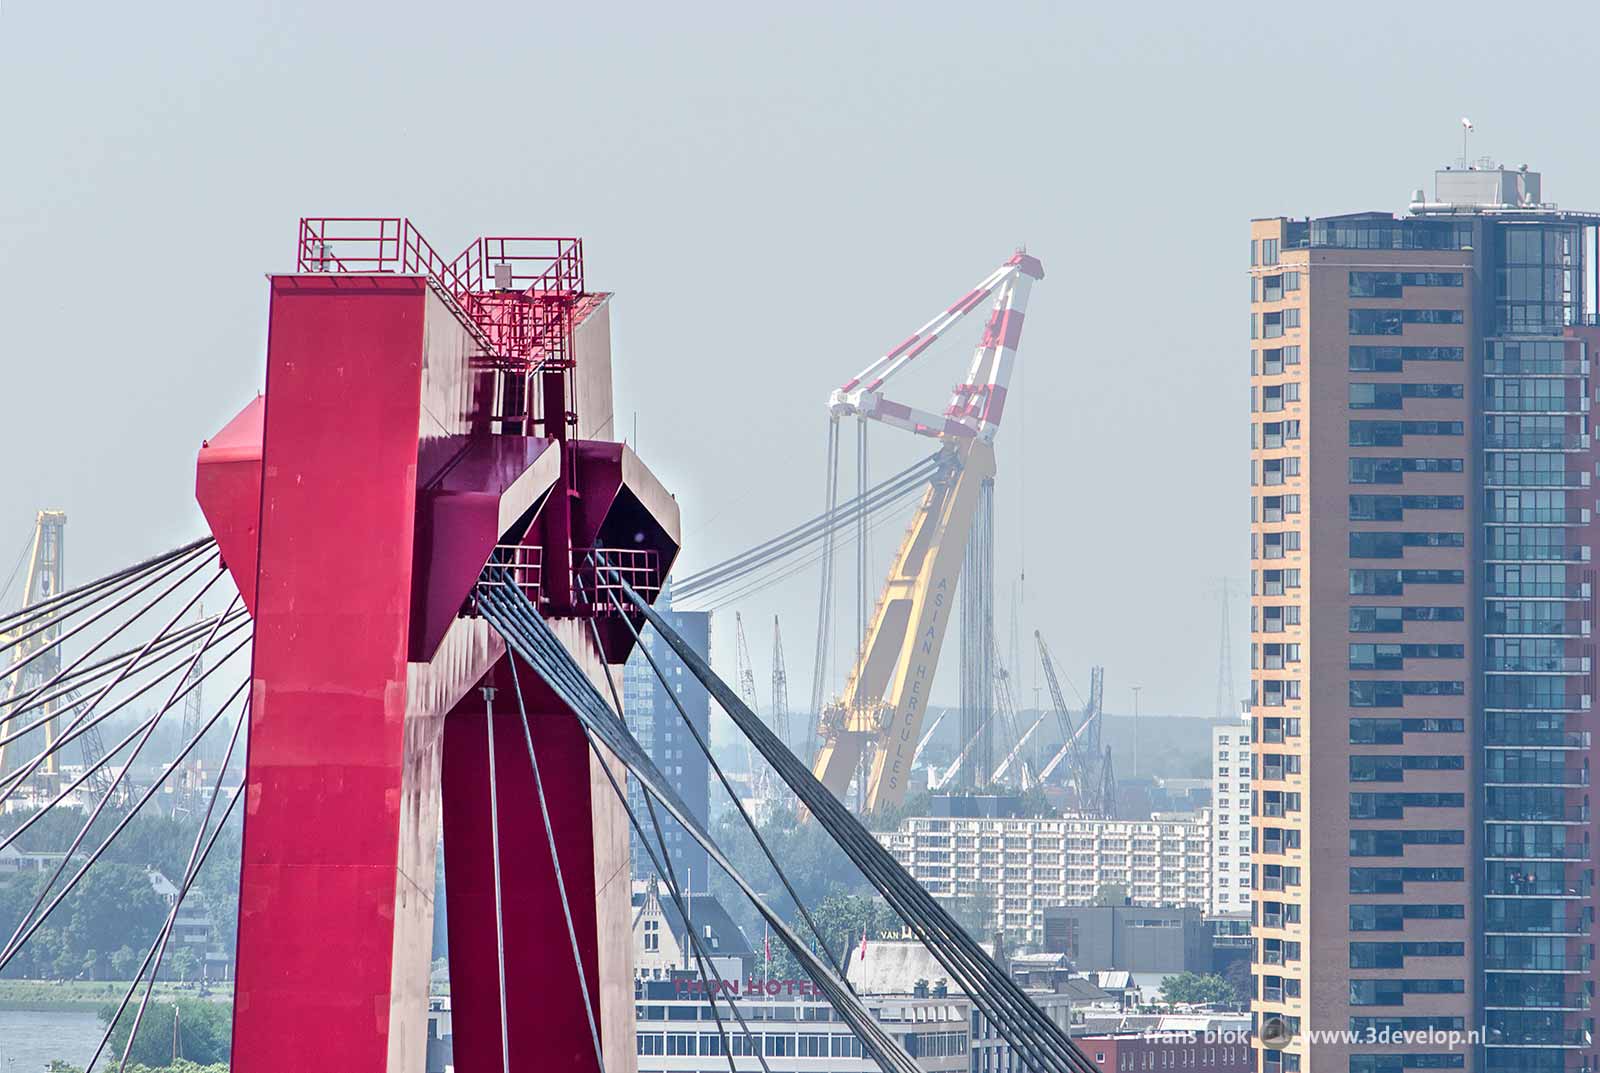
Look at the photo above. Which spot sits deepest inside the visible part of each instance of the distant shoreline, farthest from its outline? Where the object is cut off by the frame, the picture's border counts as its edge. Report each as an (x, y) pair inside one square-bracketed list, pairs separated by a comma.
[(47, 996)]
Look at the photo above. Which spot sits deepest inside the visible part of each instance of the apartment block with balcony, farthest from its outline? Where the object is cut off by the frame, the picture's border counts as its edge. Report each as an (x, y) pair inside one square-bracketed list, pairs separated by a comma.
[(1029, 865), (1422, 507), (1229, 893)]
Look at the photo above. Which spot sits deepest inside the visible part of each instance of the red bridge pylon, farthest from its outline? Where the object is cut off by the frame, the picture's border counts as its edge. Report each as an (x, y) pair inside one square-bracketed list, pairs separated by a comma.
[(421, 418)]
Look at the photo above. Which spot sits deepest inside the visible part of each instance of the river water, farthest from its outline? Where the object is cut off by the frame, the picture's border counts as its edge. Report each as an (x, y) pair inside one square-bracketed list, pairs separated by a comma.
[(29, 1040)]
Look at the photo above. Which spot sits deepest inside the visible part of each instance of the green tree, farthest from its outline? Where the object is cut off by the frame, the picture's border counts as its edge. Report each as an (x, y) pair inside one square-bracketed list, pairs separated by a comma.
[(135, 913), (977, 913), (809, 858), (16, 899), (1111, 894), (1238, 976), (112, 906), (123, 962), (888, 817), (843, 919), (1192, 988), (204, 1031), (183, 963), (217, 886)]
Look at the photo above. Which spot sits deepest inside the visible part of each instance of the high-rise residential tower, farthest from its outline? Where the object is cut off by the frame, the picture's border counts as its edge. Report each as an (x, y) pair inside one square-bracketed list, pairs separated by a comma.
[(1421, 631), (1229, 895), (651, 708)]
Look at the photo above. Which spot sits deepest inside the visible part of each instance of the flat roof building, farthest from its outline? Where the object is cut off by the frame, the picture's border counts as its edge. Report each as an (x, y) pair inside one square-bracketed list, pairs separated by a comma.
[(1229, 890), (1422, 509), (1138, 939), (1025, 866)]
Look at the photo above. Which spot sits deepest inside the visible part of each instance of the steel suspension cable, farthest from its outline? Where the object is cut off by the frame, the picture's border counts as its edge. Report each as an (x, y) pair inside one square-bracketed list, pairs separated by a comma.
[(819, 666), (671, 876), (749, 821), (110, 753), (509, 610), (939, 942), (15, 946), (849, 514), (154, 660), (190, 871), (1035, 1037), (5, 590), (80, 677), (73, 666), (555, 861), (172, 915), (154, 574), (522, 626), (784, 572), (885, 1057), (85, 712), (663, 867), (932, 939), (44, 607), (12, 945)]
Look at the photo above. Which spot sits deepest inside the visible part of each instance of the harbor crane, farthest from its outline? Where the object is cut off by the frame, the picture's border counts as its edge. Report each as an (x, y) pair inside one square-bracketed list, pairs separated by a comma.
[(878, 718), (1089, 771), (33, 646), (780, 687)]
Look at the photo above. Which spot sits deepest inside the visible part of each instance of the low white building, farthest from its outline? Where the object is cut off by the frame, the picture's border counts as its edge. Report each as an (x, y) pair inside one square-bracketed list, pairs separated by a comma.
[(794, 1032), (1027, 865), (1230, 820)]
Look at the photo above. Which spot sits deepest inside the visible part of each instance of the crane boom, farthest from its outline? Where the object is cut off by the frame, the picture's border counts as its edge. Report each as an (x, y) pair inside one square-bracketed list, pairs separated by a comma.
[(1016, 751), (886, 694), (938, 781), (1070, 746), (45, 578), (780, 688), (927, 736), (747, 693)]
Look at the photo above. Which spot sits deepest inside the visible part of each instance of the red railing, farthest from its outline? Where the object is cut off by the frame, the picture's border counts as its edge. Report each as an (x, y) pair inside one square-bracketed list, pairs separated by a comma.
[(517, 294), (536, 265), (598, 574), (602, 572), (521, 565)]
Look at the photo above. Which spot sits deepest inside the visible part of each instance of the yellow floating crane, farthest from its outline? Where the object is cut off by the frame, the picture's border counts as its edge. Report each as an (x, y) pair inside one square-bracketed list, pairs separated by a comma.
[(880, 713)]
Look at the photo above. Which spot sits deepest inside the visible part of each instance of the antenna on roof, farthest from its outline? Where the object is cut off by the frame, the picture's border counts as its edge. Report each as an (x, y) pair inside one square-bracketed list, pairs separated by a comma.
[(1466, 132)]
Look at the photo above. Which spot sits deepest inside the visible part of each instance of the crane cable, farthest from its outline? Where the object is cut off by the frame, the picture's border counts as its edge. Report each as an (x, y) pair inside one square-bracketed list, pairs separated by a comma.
[(508, 609), (705, 747), (555, 861), (820, 529)]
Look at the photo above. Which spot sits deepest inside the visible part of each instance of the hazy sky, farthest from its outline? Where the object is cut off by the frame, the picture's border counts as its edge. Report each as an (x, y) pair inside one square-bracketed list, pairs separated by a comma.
[(776, 196)]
